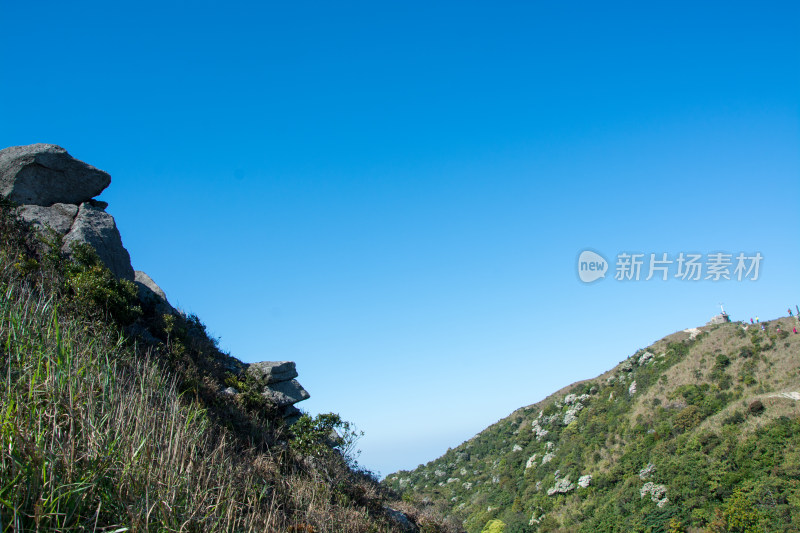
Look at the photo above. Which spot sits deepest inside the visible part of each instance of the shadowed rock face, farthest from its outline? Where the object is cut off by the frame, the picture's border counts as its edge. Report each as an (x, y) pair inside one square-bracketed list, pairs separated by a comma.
[(45, 174)]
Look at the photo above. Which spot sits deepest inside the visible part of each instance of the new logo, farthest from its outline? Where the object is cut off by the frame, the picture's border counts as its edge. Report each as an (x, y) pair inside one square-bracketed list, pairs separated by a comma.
[(591, 266)]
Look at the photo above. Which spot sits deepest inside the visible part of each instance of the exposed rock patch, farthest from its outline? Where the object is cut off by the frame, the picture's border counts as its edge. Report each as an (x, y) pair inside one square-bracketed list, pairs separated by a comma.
[(143, 280), (279, 386), (562, 486), (658, 493)]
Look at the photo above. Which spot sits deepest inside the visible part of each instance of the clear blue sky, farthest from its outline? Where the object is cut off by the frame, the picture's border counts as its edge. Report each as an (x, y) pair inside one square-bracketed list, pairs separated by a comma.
[(394, 195)]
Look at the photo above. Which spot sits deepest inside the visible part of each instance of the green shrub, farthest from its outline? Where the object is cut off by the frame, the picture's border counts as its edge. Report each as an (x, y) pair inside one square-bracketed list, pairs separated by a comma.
[(688, 418), (321, 435), (95, 289), (494, 526), (735, 418), (722, 361), (756, 407)]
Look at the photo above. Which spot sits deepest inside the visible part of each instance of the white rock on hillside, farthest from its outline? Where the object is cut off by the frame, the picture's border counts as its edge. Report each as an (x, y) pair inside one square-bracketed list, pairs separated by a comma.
[(562, 486)]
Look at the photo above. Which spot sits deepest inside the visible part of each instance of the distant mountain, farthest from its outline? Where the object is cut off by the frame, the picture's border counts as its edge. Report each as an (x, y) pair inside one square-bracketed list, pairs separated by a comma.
[(698, 432)]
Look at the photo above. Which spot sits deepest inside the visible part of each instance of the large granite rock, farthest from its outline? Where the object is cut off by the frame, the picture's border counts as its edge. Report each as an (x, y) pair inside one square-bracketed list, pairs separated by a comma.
[(94, 226), (273, 371), (45, 174)]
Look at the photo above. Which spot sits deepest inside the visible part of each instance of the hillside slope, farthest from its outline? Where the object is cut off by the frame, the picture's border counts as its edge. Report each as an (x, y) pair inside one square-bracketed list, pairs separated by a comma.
[(699, 431), (120, 414)]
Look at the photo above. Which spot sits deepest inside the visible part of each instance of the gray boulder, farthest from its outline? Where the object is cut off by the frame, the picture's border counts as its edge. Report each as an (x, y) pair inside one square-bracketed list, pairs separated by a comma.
[(97, 228), (401, 520), (148, 289), (45, 174), (273, 371), (58, 217), (150, 293), (285, 393)]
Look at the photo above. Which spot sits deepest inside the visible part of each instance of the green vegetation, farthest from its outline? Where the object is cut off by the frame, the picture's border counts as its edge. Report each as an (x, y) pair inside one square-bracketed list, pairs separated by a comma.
[(111, 417), (685, 435)]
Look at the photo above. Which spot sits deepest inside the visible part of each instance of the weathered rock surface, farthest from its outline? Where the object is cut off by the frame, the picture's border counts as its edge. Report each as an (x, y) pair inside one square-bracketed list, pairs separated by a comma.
[(147, 287), (97, 228), (45, 174), (273, 371), (285, 393), (58, 217), (657, 492), (151, 294), (279, 386)]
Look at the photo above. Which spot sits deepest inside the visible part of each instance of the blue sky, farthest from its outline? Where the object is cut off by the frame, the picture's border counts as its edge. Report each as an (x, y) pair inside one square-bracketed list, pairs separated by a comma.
[(395, 196)]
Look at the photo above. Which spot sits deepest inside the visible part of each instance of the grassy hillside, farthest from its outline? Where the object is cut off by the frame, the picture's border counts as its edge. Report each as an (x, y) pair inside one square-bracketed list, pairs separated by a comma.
[(698, 432), (111, 418)]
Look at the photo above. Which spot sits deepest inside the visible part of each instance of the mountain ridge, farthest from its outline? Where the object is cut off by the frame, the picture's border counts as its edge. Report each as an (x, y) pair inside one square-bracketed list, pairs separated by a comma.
[(542, 467)]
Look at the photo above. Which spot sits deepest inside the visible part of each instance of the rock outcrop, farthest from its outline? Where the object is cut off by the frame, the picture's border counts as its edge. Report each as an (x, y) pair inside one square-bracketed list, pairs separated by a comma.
[(279, 386), (56, 191), (721, 318)]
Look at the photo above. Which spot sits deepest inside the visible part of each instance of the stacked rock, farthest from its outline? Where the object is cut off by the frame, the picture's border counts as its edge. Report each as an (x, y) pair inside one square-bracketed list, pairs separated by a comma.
[(279, 386)]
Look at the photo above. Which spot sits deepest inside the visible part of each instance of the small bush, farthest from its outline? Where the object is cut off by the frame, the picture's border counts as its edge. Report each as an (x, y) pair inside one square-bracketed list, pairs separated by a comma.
[(688, 418), (321, 435), (722, 361), (756, 407)]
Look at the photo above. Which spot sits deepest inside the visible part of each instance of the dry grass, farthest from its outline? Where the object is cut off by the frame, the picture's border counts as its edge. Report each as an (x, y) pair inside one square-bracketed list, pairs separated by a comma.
[(95, 435)]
